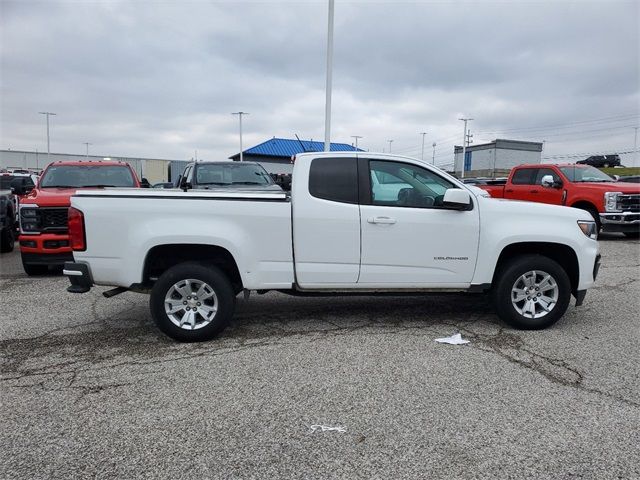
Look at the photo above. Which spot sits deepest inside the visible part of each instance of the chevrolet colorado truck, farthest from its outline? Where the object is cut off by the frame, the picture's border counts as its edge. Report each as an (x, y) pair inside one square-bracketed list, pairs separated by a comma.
[(614, 206), (43, 239), (359, 223)]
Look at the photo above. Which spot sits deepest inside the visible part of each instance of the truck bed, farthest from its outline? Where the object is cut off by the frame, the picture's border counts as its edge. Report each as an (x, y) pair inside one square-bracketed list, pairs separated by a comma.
[(235, 220)]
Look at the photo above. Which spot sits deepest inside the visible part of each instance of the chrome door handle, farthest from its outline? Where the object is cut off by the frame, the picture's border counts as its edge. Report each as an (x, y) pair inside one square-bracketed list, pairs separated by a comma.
[(383, 220)]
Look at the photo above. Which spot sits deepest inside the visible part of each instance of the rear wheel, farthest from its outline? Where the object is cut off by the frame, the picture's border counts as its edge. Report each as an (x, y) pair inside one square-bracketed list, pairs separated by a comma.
[(532, 292), (191, 302)]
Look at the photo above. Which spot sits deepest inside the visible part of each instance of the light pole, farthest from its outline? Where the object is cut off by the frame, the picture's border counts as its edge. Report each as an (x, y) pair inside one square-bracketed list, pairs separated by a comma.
[(48, 147), (433, 161), (240, 114), (635, 147), (327, 104), (389, 145), (464, 143), (423, 134), (357, 137), (87, 144)]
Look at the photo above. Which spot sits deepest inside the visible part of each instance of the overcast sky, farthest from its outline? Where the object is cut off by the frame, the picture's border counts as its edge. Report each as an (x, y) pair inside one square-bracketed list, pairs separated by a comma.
[(160, 79)]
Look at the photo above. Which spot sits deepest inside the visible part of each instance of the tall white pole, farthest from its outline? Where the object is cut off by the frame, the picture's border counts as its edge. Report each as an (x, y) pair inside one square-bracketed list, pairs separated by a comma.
[(464, 144), (389, 145), (357, 137), (433, 160), (327, 105), (240, 114), (635, 148), (48, 144), (87, 151), (423, 134)]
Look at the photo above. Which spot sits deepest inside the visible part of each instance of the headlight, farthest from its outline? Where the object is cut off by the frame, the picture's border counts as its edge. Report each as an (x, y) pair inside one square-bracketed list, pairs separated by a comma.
[(29, 220), (611, 201), (589, 229)]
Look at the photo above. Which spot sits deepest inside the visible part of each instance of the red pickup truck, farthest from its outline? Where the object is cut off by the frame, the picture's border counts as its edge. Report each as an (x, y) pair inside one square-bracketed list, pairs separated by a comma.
[(614, 206), (44, 239)]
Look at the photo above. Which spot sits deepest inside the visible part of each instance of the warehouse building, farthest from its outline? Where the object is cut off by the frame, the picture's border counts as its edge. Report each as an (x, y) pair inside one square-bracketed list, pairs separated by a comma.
[(497, 158), (275, 154), (153, 169)]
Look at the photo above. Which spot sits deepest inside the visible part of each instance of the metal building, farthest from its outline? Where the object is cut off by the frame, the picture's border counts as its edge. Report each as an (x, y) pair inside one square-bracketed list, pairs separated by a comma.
[(497, 158), (275, 154)]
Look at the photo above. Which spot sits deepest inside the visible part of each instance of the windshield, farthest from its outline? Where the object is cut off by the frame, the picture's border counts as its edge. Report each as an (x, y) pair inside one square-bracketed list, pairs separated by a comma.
[(585, 174), (73, 176), (231, 174)]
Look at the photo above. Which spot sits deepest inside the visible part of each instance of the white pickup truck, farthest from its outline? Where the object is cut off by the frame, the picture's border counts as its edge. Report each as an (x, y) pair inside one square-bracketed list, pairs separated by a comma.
[(354, 223)]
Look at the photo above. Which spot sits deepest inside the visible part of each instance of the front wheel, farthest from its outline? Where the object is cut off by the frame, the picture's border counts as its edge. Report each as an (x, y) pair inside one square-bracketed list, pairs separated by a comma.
[(191, 302), (7, 240), (532, 292)]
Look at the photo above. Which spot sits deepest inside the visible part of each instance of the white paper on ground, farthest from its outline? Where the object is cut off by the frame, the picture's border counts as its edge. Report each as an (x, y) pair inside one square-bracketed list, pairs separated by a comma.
[(324, 428), (455, 339)]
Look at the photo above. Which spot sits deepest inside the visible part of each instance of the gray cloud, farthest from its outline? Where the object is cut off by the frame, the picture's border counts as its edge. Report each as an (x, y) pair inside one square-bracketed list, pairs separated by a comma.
[(160, 79)]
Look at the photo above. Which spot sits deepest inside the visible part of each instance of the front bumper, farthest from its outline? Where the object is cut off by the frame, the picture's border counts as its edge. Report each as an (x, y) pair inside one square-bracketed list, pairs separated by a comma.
[(80, 277), (45, 243), (580, 294), (46, 258), (620, 222)]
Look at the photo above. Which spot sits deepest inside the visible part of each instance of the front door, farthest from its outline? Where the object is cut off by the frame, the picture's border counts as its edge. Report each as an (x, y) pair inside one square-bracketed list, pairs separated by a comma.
[(552, 195), (408, 238)]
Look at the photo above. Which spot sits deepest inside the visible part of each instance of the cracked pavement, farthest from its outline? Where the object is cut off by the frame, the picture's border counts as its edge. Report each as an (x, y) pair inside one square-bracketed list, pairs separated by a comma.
[(90, 388)]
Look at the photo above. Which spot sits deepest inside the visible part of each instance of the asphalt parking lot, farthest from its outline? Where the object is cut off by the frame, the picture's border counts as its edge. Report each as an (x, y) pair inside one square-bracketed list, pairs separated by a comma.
[(90, 388)]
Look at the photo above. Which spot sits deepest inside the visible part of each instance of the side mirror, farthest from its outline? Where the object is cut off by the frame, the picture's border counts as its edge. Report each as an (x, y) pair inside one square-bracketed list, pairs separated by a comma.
[(457, 199), (548, 182), (616, 177), (144, 183)]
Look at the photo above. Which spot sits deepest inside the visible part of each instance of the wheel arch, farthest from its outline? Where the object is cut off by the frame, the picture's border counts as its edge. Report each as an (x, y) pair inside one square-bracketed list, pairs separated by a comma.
[(162, 257), (564, 255)]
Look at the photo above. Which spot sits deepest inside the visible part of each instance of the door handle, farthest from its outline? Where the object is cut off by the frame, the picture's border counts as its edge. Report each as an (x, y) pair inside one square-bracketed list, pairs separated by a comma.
[(509, 191), (382, 220), (533, 191)]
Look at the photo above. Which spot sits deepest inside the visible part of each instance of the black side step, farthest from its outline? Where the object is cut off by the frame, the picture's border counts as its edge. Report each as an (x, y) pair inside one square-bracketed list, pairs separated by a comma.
[(114, 291)]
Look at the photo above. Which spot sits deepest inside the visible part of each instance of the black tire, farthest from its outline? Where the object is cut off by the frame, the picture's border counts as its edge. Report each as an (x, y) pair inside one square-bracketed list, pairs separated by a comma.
[(596, 216), (506, 279), (215, 279), (34, 269), (7, 240), (632, 234)]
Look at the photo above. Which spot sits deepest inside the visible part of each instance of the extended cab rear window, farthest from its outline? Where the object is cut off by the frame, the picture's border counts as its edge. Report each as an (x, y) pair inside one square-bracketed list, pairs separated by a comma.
[(334, 179)]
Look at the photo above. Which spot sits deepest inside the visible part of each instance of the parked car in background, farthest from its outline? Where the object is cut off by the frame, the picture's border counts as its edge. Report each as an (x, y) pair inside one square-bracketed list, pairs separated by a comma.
[(20, 182), (7, 220), (601, 161), (44, 238), (412, 229), (163, 185), (630, 179), (615, 206), (237, 175)]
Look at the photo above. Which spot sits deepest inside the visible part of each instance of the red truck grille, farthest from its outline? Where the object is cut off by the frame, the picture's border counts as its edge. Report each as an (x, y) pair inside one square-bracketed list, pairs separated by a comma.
[(53, 219), (629, 203)]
